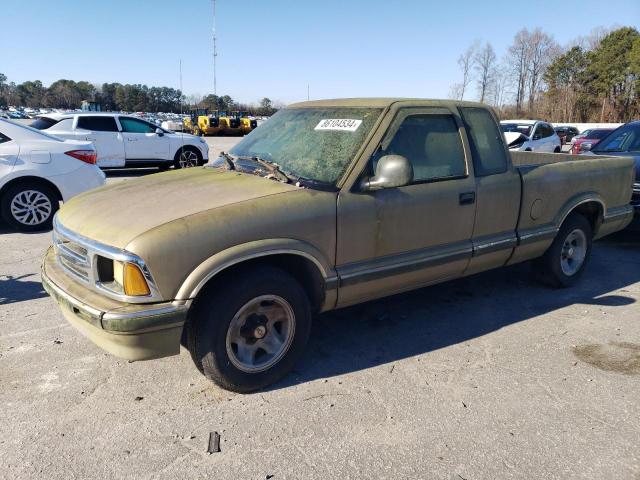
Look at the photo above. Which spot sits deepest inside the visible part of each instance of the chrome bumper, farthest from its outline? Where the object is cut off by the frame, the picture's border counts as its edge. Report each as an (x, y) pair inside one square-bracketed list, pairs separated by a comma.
[(130, 331)]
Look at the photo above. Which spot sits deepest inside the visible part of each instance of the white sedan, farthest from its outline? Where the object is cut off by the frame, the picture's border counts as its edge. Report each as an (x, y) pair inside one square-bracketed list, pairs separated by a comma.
[(38, 171), (127, 141)]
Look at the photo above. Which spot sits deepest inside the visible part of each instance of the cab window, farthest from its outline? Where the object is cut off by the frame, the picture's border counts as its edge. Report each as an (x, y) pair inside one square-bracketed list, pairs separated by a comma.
[(485, 140), (4, 138), (432, 144), (132, 125)]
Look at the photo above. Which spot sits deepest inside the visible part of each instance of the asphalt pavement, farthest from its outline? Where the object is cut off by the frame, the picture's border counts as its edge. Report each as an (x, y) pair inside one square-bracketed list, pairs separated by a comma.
[(491, 376)]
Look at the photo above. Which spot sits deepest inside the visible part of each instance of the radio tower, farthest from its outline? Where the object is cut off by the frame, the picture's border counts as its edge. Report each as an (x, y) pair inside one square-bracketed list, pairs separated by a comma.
[(215, 49)]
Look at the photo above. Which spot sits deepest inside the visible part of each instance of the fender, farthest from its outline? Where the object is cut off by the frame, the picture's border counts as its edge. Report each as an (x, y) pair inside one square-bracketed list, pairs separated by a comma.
[(575, 202), (256, 249)]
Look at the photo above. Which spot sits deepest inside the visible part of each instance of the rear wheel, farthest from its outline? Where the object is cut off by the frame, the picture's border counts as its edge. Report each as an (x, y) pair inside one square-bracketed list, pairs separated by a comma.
[(249, 334), (30, 206), (557, 150), (187, 157), (564, 262)]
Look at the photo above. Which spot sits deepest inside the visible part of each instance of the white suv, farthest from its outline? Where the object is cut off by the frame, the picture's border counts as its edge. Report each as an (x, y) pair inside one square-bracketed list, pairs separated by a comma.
[(126, 141), (531, 136)]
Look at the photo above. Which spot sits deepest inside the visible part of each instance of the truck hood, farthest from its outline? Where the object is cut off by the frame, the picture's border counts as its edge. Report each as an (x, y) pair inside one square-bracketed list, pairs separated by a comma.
[(116, 214)]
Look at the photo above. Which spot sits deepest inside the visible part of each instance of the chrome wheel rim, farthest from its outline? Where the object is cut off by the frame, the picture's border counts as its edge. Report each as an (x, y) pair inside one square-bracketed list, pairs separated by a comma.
[(31, 207), (188, 159), (260, 333), (573, 253)]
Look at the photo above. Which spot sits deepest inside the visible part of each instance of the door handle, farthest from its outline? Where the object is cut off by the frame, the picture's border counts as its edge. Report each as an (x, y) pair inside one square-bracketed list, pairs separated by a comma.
[(91, 139), (132, 139), (467, 198)]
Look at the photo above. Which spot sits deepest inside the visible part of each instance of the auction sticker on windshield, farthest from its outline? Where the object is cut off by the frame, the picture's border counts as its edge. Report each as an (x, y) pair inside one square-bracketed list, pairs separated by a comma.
[(342, 124)]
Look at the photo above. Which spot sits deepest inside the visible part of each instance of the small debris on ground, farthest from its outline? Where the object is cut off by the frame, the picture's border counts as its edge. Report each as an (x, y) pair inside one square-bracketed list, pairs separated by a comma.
[(214, 443), (139, 399), (57, 342)]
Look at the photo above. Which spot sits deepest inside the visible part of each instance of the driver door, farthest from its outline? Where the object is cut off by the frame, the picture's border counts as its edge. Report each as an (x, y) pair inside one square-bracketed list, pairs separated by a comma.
[(141, 142), (402, 238)]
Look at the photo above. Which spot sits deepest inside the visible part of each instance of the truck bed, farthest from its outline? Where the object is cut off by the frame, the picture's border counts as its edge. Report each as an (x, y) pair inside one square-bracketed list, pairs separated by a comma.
[(553, 185)]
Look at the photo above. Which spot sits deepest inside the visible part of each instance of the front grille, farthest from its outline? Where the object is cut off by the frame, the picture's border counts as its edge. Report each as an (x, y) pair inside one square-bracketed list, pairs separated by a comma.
[(72, 256), (92, 263)]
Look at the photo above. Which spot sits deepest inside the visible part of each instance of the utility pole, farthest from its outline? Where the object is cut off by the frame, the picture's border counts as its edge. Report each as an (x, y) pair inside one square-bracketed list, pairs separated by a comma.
[(215, 49), (307, 92), (181, 92)]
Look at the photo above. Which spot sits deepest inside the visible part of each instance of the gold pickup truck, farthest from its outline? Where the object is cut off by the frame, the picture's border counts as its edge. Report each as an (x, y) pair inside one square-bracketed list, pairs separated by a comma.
[(327, 204)]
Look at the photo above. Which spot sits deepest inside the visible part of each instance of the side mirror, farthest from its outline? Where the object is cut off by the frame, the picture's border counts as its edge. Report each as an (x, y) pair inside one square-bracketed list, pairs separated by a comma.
[(391, 171), (159, 132), (586, 147)]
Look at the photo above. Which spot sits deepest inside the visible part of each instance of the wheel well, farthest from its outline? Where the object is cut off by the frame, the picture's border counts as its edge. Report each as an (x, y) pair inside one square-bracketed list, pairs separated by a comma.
[(187, 147), (30, 179), (593, 212), (299, 267)]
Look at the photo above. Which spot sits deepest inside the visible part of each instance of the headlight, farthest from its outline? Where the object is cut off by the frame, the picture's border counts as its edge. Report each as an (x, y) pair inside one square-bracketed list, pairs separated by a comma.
[(123, 278)]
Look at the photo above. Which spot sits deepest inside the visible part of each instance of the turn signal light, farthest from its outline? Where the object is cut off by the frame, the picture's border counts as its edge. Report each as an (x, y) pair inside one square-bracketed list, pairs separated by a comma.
[(134, 281), (86, 156)]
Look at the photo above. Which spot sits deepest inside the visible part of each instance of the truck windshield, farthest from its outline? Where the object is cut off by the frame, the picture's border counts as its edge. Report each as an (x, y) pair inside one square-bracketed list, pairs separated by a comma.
[(313, 143)]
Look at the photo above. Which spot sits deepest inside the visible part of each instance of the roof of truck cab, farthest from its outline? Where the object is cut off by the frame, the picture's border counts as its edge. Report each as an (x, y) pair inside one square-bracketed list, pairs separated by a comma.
[(383, 102)]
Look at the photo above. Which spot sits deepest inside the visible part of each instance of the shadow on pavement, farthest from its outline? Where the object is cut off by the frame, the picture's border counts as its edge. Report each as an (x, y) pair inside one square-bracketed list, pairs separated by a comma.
[(414, 323), (15, 289)]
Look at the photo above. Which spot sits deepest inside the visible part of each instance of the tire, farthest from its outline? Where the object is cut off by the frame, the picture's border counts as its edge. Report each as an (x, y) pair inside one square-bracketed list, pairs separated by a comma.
[(564, 262), (187, 157), (29, 206), (557, 150), (222, 333), (197, 132)]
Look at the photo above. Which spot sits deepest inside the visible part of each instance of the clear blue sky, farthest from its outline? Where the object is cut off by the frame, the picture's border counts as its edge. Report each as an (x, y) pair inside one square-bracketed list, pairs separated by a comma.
[(275, 48)]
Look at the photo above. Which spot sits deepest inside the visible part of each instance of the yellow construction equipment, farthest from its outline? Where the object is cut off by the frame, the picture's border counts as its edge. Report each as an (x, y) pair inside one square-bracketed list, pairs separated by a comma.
[(201, 122)]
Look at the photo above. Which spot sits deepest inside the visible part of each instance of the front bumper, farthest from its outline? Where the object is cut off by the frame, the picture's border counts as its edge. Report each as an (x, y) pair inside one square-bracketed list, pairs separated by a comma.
[(129, 331)]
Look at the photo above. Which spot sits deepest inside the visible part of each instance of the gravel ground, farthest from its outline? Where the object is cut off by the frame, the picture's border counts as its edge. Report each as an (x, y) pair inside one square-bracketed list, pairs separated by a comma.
[(492, 376)]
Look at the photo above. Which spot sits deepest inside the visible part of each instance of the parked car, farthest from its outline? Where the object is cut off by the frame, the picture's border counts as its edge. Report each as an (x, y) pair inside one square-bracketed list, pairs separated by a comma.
[(530, 136), (127, 141), (328, 204), (566, 133), (593, 136), (622, 142), (37, 171)]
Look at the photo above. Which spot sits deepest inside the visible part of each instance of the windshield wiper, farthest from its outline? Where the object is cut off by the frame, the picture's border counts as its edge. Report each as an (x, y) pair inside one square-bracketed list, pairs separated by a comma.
[(231, 165), (273, 169)]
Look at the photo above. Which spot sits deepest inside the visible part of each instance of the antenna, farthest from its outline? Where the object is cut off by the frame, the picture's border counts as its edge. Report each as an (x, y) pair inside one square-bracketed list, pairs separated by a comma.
[(215, 49)]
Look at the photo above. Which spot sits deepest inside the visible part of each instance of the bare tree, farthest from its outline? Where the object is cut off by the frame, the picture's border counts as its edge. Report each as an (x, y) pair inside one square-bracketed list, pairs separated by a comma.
[(484, 64), (455, 92), (542, 50), (519, 57), (499, 85), (465, 61)]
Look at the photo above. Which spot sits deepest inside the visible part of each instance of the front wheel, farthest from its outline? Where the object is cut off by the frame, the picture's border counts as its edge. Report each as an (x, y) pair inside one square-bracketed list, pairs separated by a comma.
[(564, 262), (249, 334), (187, 157), (29, 207)]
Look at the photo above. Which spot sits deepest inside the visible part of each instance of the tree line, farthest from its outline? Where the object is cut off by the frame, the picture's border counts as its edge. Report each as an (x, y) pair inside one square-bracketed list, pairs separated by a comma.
[(594, 79), (69, 94)]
